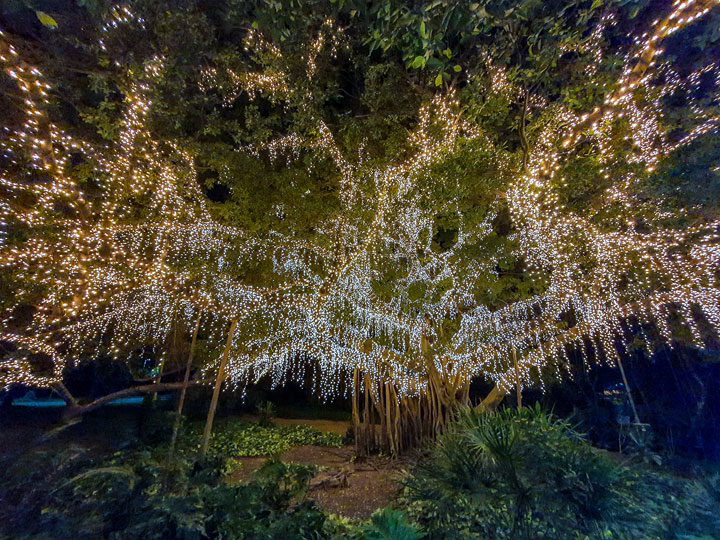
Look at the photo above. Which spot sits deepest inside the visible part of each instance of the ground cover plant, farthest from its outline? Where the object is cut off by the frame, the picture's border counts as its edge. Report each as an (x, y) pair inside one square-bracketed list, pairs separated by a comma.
[(237, 438)]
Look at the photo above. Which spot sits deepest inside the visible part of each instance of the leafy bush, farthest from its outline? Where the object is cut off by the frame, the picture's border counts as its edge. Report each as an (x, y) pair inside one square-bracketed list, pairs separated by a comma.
[(391, 524), (236, 438), (522, 474), (385, 524), (132, 496)]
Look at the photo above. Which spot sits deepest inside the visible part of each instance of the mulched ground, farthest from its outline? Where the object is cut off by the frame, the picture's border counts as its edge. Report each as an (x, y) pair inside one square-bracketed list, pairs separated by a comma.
[(372, 482)]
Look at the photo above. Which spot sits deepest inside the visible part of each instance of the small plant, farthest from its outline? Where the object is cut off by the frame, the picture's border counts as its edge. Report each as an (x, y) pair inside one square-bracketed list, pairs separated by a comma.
[(390, 524), (266, 410)]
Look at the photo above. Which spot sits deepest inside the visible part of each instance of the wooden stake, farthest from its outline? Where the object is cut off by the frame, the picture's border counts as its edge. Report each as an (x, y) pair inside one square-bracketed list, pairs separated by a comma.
[(355, 414), (518, 389), (186, 379), (627, 389), (216, 391)]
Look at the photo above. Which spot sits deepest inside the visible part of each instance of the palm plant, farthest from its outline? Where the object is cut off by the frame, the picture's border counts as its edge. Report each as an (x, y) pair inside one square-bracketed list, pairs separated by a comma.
[(523, 474)]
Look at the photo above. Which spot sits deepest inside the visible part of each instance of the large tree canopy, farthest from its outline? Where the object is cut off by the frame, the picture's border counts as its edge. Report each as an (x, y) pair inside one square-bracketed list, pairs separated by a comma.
[(418, 192)]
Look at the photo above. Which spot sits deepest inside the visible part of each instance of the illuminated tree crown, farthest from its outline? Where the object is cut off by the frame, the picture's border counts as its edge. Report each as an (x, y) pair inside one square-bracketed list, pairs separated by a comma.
[(503, 184)]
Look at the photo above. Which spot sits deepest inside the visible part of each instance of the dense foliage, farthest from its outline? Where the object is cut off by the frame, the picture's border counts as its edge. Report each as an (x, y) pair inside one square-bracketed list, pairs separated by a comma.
[(506, 475), (522, 474), (131, 495)]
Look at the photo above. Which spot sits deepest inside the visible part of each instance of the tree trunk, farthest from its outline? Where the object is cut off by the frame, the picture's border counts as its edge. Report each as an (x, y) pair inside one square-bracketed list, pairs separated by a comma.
[(186, 379), (493, 399), (216, 391)]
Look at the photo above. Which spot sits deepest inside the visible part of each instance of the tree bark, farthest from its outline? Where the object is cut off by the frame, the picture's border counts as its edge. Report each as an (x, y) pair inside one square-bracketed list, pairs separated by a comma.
[(77, 410), (65, 394), (186, 379), (493, 399), (216, 391)]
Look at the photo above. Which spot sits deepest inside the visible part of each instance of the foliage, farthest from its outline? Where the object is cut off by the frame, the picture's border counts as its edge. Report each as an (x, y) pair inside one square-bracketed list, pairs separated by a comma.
[(425, 170), (131, 495), (236, 438), (266, 410), (390, 524), (385, 524), (522, 474)]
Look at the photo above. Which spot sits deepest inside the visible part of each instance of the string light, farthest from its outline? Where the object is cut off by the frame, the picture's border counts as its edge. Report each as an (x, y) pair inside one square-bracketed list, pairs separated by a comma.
[(111, 274)]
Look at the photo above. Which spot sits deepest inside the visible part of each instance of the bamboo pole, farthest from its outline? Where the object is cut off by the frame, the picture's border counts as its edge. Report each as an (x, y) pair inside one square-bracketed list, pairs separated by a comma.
[(518, 389), (355, 413), (216, 391), (186, 379), (627, 389)]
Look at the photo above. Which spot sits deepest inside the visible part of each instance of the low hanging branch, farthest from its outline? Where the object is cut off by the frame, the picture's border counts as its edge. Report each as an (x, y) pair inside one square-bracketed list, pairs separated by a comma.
[(78, 410)]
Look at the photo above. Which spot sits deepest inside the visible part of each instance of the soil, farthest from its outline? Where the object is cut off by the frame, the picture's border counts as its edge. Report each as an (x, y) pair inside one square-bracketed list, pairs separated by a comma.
[(372, 482)]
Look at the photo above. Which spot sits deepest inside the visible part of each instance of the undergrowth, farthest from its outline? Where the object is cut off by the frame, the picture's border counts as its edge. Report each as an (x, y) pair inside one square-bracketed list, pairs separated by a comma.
[(239, 438)]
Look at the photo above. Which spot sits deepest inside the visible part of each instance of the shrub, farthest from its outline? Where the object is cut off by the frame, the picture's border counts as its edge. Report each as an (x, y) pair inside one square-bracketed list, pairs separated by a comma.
[(391, 524), (132, 496), (522, 474)]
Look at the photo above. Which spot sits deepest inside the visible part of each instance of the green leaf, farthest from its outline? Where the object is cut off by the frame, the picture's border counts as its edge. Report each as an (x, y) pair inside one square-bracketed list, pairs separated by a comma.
[(457, 67), (438, 79), (423, 32), (255, 25), (418, 62), (596, 4), (447, 53), (46, 19)]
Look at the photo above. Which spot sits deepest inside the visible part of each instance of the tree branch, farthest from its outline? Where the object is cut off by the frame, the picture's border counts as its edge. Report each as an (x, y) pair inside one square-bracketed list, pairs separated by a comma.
[(77, 410)]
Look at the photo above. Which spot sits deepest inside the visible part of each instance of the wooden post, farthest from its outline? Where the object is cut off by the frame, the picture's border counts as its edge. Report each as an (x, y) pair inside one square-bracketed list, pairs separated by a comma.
[(216, 391), (181, 401), (518, 389), (355, 413), (627, 389)]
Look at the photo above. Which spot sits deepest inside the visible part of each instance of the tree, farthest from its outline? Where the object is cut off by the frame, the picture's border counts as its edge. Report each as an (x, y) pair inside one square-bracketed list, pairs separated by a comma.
[(516, 214)]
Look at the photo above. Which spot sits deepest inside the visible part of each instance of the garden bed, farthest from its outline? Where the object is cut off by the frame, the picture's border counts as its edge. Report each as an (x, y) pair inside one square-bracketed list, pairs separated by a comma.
[(371, 483)]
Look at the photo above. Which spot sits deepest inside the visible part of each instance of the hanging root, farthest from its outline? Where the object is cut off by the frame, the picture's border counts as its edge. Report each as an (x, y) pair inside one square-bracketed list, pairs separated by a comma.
[(391, 424)]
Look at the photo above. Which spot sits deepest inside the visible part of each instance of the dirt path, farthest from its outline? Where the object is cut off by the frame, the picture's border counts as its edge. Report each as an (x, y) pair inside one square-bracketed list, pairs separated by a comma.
[(371, 483)]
